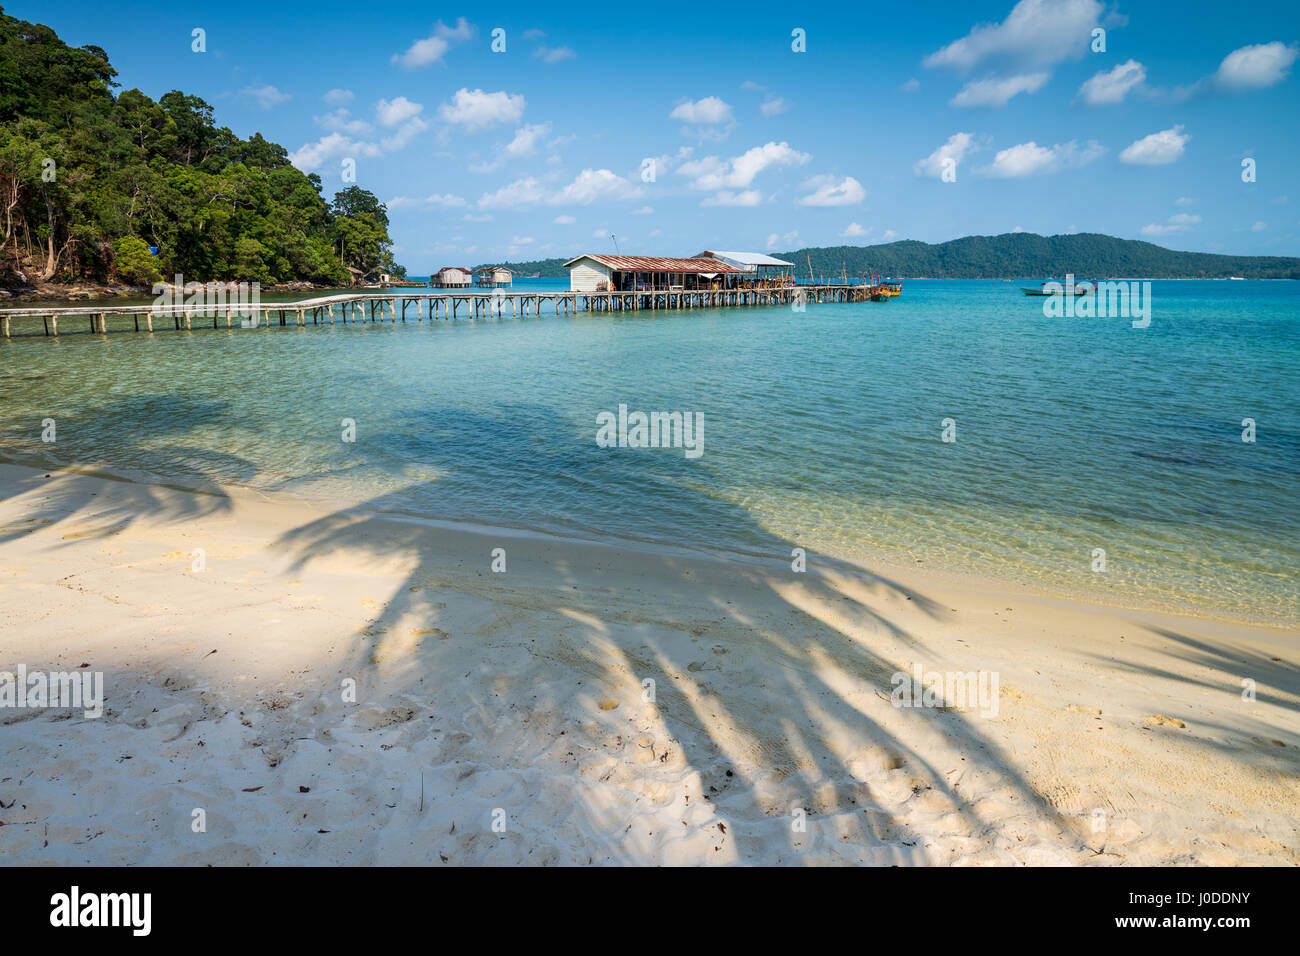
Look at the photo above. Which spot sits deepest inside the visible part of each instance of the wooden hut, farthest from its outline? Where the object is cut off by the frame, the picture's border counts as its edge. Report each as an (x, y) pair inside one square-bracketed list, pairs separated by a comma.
[(600, 273), (493, 277), (452, 277)]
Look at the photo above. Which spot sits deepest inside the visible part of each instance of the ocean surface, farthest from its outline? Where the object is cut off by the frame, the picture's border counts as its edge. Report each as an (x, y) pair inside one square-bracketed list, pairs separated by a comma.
[(823, 429)]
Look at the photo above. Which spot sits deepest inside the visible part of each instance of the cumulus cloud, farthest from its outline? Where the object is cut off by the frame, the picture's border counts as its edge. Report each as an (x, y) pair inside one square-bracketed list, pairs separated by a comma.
[(432, 48), (706, 112), (475, 109), (396, 111), (587, 187), (773, 106), (829, 191), (342, 121), (739, 172), (1256, 67), (1157, 149), (311, 156), (1028, 159), (958, 145), (854, 231), (564, 220), (1111, 86), (337, 97), (1036, 32), (998, 91)]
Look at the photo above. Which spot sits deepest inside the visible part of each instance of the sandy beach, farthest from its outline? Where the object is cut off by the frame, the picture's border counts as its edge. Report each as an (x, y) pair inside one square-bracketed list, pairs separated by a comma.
[(346, 688)]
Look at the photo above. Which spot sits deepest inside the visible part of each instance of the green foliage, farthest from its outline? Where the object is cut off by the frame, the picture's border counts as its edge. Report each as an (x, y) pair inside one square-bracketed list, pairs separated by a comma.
[(134, 262), (161, 173)]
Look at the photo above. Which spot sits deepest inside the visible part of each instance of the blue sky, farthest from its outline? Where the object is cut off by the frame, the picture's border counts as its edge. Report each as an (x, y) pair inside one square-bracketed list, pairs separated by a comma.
[(539, 150)]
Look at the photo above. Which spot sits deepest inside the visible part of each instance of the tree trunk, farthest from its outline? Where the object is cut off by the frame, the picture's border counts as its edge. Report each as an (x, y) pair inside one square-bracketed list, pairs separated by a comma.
[(51, 260)]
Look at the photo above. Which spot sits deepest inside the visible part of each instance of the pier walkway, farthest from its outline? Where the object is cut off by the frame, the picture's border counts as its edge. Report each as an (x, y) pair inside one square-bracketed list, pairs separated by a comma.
[(387, 305)]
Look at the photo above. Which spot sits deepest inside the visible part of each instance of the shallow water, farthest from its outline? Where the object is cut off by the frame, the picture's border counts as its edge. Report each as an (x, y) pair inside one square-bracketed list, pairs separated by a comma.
[(822, 429)]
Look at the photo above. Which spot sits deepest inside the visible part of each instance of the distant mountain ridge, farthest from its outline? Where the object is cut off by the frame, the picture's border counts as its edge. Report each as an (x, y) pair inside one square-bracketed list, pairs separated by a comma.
[(1013, 255)]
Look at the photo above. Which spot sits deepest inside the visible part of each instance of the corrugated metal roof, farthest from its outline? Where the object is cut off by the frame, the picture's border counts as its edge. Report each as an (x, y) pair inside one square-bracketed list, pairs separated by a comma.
[(657, 264), (748, 258)]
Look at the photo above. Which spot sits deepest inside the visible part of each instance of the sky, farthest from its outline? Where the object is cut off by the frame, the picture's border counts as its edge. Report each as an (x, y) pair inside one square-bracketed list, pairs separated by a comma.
[(770, 127)]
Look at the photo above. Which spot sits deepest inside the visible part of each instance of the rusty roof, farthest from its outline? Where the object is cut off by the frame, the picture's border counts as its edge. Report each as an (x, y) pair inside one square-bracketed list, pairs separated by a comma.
[(657, 264)]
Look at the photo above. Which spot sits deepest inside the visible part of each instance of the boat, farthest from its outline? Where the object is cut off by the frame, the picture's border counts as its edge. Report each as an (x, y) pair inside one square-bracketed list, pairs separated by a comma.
[(1082, 288), (1237, 278)]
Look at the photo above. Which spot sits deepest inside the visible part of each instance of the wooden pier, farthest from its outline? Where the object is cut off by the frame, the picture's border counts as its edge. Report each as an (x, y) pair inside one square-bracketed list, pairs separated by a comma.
[(385, 305)]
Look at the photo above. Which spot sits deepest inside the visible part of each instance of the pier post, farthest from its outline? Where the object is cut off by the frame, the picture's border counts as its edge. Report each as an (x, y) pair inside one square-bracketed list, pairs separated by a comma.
[(6, 326)]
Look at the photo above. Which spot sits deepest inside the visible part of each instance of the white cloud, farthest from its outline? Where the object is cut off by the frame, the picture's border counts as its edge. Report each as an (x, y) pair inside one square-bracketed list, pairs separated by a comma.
[(1111, 86), (267, 97), (773, 106), (338, 97), (911, 86), (396, 111), (998, 91), (958, 145), (1175, 224), (1157, 149), (554, 54), (526, 139), (1184, 201), (1256, 67), (828, 191), (1259, 227), (854, 231), (709, 111), (437, 199), (739, 172), (1028, 159), (587, 187), (728, 197), (404, 134), (474, 109), (432, 48), (643, 211), (564, 220), (341, 121), (311, 156), (890, 234), (1036, 32)]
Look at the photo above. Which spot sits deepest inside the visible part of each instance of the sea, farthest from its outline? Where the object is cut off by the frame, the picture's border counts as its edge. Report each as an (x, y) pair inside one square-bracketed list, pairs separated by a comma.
[(955, 428)]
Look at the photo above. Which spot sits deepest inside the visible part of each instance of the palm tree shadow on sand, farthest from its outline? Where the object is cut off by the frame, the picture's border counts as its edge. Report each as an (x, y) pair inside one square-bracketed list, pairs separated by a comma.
[(89, 437), (767, 682)]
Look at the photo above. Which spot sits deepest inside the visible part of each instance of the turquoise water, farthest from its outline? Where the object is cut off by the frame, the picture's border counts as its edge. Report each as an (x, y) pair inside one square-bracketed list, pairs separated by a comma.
[(822, 429)]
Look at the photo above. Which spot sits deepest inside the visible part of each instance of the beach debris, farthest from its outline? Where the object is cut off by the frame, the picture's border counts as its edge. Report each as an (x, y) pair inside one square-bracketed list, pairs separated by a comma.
[(1164, 721)]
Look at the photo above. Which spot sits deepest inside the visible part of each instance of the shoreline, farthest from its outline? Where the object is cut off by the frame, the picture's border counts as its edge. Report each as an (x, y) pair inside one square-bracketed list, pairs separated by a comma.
[(522, 691), (938, 574)]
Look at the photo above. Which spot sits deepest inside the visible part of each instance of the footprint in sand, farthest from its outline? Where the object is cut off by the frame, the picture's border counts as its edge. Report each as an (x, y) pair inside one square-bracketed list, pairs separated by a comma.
[(112, 550), (608, 703)]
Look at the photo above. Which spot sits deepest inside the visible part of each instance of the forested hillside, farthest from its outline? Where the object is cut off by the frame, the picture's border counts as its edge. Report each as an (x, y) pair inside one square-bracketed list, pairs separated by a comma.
[(91, 178), (1016, 255)]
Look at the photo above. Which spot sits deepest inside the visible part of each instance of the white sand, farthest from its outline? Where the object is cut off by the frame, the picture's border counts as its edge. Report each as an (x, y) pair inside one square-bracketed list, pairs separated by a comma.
[(521, 692)]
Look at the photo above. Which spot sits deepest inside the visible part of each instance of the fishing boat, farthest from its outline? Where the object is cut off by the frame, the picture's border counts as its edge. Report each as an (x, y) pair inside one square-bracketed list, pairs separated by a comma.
[(1082, 288)]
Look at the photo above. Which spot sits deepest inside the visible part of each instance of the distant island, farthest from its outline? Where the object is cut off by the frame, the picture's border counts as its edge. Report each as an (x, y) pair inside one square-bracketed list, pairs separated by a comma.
[(1013, 255), (113, 189)]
